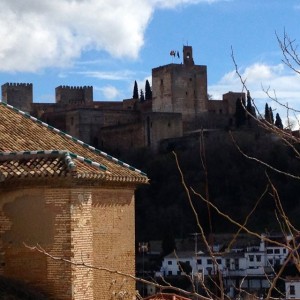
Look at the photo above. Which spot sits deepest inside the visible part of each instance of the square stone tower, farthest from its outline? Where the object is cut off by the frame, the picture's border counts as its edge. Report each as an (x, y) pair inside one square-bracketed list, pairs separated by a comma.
[(19, 95), (180, 88)]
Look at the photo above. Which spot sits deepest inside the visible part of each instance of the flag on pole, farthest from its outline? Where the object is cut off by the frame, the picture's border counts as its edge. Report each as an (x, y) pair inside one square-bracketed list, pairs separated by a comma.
[(172, 53)]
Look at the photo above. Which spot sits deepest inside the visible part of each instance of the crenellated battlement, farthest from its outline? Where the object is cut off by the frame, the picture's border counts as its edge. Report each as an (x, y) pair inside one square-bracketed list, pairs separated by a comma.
[(17, 84), (74, 87), (66, 94)]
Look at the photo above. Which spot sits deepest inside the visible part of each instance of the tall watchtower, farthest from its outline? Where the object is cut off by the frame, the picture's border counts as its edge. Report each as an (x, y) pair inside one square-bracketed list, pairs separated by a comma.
[(180, 88), (19, 95)]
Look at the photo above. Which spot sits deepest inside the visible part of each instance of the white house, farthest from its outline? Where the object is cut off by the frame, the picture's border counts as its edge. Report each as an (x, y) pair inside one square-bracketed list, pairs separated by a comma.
[(249, 267), (292, 288)]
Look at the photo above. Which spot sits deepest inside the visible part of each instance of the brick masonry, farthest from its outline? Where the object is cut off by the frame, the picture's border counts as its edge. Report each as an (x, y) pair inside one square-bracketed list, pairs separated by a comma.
[(90, 225)]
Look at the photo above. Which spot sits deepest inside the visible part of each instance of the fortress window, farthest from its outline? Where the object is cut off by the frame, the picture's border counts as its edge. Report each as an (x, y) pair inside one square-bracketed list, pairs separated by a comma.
[(72, 121), (186, 93), (161, 81), (169, 124), (220, 111)]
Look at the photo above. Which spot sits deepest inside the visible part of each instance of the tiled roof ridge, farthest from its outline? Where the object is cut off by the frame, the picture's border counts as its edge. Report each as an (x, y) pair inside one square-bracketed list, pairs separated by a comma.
[(68, 157), (27, 115)]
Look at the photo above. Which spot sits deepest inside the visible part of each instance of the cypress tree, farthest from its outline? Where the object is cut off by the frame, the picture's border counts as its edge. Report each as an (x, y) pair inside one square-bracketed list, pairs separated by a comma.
[(267, 113), (240, 113), (148, 91), (278, 122), (142, 97), (135, 91)]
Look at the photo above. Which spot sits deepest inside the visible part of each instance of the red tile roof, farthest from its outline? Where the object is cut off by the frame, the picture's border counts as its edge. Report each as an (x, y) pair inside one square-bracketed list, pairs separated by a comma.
[(31, 148)]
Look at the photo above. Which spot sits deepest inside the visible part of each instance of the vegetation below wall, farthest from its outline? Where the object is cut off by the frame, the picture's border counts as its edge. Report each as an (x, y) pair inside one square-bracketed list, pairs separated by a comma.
[(235, 184)]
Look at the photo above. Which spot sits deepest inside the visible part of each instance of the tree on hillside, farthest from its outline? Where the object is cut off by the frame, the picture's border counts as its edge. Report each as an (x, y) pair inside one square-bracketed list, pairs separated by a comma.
[(278, 122), (142, 97), (168, 242), (250, 108), (135, 91), (148, 91), (267, 113), (240, 113)]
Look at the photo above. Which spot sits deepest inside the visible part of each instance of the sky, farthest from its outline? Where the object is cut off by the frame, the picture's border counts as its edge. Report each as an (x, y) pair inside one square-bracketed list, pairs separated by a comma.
[(108, 44)]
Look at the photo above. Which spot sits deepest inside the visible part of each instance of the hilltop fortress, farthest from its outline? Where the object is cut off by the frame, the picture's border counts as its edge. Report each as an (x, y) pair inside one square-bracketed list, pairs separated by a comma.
[(179, 106)]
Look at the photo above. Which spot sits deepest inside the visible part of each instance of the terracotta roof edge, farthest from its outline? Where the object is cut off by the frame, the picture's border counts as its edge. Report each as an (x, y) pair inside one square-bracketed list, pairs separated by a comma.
[(4, 155)]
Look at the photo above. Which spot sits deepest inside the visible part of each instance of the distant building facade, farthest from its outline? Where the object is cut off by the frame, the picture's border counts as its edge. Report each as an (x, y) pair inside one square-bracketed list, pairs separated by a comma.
[(179, 104), (248, 266)]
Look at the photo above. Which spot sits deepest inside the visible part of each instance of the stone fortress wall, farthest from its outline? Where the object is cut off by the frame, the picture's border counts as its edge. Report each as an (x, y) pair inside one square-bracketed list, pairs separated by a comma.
[(179, 105)]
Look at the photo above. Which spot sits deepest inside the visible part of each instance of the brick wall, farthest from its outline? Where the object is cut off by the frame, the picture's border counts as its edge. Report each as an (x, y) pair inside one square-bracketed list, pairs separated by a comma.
[(94, 226), (113, 243)]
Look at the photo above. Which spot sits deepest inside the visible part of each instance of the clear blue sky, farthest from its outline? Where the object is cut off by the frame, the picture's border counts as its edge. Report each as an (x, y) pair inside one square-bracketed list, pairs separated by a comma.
[(109, 44)]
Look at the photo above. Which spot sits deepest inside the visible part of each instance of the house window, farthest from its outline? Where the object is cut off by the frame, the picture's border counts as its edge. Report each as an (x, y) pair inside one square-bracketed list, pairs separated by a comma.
[(170, 273), (284, 250), (258, 257), (269, 251), (251, 257), (236, 263), (199, 261), (292, 290), (277, 251), (209, 261), (169, 262), (270, 261), (219, 261), (228, 263)]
